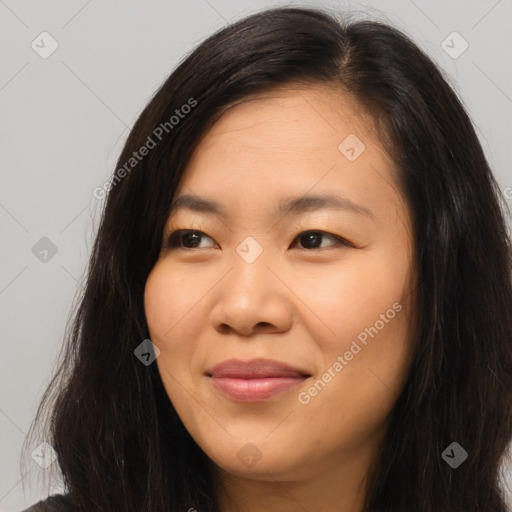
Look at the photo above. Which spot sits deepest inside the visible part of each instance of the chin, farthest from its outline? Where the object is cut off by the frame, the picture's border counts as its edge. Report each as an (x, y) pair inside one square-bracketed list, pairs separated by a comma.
[(258, 462)]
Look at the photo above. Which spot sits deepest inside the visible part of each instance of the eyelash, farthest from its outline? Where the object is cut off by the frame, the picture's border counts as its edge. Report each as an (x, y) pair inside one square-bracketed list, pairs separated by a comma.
[(174, 238)]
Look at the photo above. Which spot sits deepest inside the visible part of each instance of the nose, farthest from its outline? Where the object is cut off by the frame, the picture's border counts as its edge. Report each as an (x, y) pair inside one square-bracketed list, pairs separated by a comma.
[(251, 298)]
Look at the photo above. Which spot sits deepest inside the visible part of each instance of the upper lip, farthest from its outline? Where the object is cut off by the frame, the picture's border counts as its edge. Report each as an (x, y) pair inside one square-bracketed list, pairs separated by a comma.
[(254, 369)]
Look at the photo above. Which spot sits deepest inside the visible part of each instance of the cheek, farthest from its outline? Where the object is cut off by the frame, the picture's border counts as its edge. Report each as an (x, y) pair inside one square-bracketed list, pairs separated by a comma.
[(359, 381), (169, 302), (165, 303), (160, 309), (345, 299), (364, 309), (175, 317)]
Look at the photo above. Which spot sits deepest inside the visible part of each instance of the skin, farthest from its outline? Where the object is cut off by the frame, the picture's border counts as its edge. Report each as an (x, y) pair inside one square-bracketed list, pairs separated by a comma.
[(301, 302)]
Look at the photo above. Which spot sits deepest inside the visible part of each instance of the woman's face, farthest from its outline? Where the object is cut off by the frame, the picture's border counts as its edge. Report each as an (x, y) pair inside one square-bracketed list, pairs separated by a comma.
[(321, 286)]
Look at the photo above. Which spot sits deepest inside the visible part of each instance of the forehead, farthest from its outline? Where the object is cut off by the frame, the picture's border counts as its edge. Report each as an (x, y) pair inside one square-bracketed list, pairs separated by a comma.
[(289, 124), (304, 116), (289, 141)]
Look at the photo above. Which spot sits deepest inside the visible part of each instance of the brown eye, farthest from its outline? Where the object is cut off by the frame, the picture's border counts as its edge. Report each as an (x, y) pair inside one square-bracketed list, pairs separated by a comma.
[(313, 239), (186, 239)]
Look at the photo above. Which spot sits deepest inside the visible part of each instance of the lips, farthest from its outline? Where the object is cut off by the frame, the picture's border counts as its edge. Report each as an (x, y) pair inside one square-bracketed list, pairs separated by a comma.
[(255, 380)]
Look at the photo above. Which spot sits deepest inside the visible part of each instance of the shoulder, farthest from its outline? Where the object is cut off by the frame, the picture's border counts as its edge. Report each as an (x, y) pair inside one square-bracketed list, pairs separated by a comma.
[(55, 503)]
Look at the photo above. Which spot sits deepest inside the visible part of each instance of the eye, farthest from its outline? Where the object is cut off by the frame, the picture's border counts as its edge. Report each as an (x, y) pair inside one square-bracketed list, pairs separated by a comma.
[(185, 239), (311, 239)]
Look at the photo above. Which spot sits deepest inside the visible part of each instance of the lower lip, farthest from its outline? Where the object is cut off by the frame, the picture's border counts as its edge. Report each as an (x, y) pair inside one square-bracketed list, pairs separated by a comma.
[(255, 390)]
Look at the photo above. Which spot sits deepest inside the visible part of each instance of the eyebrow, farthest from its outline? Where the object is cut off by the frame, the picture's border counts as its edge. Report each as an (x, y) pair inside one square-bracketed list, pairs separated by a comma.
[(294, 205)]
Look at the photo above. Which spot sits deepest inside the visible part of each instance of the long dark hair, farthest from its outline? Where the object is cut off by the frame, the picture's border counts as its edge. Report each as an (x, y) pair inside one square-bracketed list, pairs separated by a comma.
[(121, 445)]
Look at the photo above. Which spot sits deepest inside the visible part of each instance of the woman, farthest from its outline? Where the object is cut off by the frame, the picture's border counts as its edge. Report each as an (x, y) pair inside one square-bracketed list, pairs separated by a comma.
[(343, 339)]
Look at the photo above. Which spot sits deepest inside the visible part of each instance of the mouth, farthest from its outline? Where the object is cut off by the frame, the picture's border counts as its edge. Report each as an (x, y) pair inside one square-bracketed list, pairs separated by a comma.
[(256, 380)]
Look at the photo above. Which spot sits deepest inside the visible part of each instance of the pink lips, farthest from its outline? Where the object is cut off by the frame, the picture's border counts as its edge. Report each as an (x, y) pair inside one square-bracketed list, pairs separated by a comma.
[(255, 380)]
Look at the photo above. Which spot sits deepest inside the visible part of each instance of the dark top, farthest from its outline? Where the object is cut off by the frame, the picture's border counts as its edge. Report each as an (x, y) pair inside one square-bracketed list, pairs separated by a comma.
[(55, 503)]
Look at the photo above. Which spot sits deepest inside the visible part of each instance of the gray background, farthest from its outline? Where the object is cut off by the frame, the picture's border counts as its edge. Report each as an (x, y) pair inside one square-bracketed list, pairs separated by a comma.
[(65, 118)]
